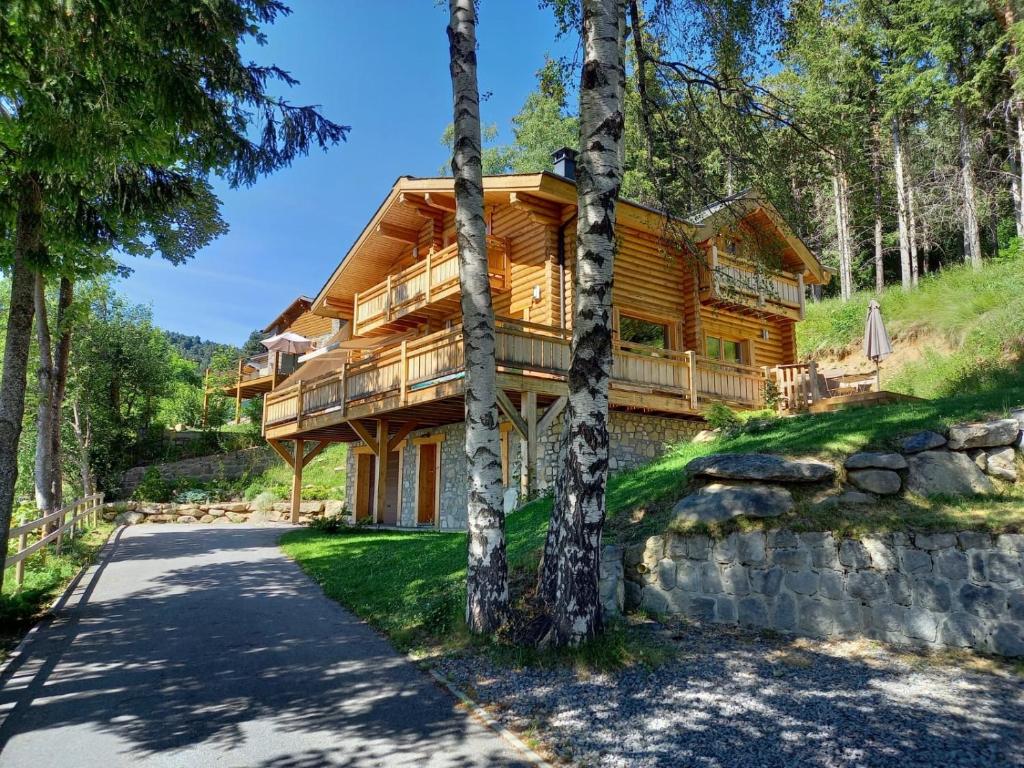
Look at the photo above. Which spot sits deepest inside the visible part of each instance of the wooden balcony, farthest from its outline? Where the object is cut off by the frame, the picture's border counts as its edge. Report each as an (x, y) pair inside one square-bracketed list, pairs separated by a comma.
[(529, 357), (734, 281), (429, 288)]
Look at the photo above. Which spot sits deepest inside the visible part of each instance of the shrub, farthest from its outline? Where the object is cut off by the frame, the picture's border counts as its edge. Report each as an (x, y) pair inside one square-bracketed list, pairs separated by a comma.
[(264, 501), (153, 487), (721, 416), (331, 523)]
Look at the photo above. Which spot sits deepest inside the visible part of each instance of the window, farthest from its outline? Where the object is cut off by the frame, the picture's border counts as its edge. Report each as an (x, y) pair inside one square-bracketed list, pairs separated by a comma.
[(634, 330), (727, 350)]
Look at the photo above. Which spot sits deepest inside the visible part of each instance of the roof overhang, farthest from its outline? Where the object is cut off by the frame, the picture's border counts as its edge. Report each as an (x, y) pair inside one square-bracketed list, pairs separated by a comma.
[(290, 313)]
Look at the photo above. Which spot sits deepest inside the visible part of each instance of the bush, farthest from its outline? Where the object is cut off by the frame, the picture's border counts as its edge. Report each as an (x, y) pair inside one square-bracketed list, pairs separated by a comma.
[(721, 416), (331, 523), (153, 487), (264, 501)]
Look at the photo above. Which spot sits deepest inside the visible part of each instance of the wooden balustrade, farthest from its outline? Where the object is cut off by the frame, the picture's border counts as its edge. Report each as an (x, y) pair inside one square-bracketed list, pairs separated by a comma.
[(66, 520), (797, 385), (731, 278), (425, 282), (533, 350)]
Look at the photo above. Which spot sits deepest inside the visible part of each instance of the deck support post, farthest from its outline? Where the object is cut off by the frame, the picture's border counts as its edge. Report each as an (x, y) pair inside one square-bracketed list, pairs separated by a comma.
[(691, 364), (528, 480), (298, 460), (381, 483)]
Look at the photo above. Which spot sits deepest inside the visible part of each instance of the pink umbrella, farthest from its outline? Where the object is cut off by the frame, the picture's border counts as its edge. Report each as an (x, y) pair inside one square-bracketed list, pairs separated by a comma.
[(877, 346)]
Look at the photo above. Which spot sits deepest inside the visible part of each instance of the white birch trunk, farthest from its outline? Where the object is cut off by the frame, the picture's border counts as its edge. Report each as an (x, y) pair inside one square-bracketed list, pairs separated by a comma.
[(843, 244), (912, 214), (902, 206), (876, 177), (581, 483), (83, 437), (972, 232), (487, 600)]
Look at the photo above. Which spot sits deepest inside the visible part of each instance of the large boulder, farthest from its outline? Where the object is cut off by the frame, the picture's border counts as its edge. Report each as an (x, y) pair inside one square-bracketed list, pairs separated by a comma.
[(925, 440), (131, 517), (718, 502), (944, 473), (881, 481), (984, 434), (761, 467), (1002, 463), (1018, 414), (875, 460)]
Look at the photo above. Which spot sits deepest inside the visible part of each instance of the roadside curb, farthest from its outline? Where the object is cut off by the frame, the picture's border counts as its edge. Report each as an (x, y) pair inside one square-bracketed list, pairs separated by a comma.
[(489, 720), (58, 602)]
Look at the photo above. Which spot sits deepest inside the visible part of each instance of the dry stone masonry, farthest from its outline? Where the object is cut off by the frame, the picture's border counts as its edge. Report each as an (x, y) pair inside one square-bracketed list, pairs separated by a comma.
[(224, 466), (216, 513), (955, 590), (932, 590)]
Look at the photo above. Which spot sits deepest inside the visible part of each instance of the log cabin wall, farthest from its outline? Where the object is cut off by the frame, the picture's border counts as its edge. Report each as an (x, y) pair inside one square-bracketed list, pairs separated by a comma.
[(311, 326)]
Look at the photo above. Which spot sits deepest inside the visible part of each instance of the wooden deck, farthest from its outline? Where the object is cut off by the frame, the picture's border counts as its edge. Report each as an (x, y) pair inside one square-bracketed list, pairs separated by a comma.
[(422, 379)]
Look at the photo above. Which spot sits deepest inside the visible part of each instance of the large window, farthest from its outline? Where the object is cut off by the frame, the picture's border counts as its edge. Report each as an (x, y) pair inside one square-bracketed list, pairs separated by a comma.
[(726, 350), (635, 330)]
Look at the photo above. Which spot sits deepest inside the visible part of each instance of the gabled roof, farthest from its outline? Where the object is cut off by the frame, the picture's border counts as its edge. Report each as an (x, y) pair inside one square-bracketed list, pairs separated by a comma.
[(290, 313), (368, 259)]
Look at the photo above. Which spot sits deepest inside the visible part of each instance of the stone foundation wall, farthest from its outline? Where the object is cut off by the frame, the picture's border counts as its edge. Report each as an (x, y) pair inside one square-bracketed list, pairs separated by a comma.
[(954, 590), (134, 512), (223, 466), (635, 440)]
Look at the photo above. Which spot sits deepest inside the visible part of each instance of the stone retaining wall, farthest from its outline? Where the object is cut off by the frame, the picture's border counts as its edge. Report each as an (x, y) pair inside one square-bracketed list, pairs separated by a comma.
[(933, 590), (134, 512), (221, 466)]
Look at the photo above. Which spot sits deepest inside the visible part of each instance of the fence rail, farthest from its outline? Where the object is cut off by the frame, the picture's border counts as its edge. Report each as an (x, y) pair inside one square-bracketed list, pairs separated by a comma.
[(66, 519)]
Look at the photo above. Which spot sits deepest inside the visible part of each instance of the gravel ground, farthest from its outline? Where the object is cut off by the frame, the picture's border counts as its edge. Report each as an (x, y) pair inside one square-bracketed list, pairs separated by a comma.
[(736, 698)]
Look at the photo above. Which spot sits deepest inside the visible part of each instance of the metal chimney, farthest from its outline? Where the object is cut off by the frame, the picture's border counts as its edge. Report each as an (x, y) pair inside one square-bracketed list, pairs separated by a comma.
[(565, 162)]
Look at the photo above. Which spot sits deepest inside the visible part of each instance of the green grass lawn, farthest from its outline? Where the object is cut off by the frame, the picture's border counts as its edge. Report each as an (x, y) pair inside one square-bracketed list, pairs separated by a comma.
[(46, 576), (411, 584)]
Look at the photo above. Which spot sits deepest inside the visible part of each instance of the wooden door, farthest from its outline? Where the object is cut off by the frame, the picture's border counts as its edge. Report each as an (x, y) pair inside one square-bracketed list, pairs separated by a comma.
[(389, 515), (426, 488), (365, 476)]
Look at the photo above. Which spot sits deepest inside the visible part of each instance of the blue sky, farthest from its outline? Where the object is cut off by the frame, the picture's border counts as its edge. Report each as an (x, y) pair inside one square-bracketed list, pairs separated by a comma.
[(290, 230)]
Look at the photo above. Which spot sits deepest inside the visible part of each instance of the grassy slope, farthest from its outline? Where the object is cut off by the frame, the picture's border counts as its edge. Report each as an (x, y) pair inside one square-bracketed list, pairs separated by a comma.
[(411, 585), (322, 478), (969, 323)]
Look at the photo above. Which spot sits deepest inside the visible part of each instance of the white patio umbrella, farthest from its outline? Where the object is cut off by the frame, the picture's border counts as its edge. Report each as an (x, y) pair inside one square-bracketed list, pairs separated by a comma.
[(877, 346), (289, 343)]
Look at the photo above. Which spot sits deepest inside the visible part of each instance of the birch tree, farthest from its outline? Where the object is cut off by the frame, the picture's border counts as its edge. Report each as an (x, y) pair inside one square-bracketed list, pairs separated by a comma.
[(583, 476), (487, 599)]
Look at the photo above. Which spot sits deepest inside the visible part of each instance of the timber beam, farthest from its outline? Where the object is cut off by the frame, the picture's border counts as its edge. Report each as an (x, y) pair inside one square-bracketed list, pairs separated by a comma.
[(395, 232), (544, 422), (366, 436), (509, 409), (441, 202), (400, 435)]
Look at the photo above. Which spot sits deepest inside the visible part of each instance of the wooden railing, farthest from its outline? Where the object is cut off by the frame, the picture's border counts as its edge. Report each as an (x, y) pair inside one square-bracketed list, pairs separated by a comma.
[(797, 385), (427, 281), (734, 279), (520, 347), (84, 507)]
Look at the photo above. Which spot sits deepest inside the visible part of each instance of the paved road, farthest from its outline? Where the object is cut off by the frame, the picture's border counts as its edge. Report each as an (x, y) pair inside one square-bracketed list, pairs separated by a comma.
[(204, 645)]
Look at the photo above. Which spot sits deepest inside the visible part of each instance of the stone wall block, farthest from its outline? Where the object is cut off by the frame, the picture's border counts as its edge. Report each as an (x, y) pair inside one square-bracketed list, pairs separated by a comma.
[(816, 617), (962, 630), (932, 593), (725, 609), (950, 563), (1003, 568), (724, 550), (853, 554), (1008, 639), (751, 548), (899, 587), (914, 561), (832, 584), (934, 540), (883, 557), (654, 599), (710, 579), (976, 565), (698, 547), (1011, 542), (922, 624), (781, 538), (734, 580), (802, 582), (666, 570), (688, 576), (986, 602), (784, 613), (974, 540), (791, 559), (866, 586), (753, 611), (702, 608), (766, 581)]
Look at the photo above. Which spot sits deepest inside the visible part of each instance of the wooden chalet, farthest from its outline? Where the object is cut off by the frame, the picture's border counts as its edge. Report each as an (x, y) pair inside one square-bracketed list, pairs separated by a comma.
[(705, 311), (258, 374)]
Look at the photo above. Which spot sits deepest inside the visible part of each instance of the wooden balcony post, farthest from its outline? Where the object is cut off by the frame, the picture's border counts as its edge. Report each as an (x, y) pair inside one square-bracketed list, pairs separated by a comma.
[(430, 273), (800, 282), (528, 478), (387, 300), (691, 364), (355, 313), (263, 420), (381, 485), (299, 453), (812, 373), (298, 406), (344, 388), (404, 373)]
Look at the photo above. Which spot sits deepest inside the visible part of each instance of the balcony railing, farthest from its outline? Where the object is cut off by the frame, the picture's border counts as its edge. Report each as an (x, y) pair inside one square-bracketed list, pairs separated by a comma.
[(735, 280), (520, 347), (425, 283)]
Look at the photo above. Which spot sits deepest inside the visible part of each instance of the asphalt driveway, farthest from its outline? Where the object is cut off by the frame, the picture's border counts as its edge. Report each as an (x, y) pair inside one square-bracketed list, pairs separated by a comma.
[(204, 645)]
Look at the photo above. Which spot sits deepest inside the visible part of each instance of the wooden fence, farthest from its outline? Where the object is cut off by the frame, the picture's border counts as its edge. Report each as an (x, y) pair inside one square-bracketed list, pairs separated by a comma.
[(65, 519)]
